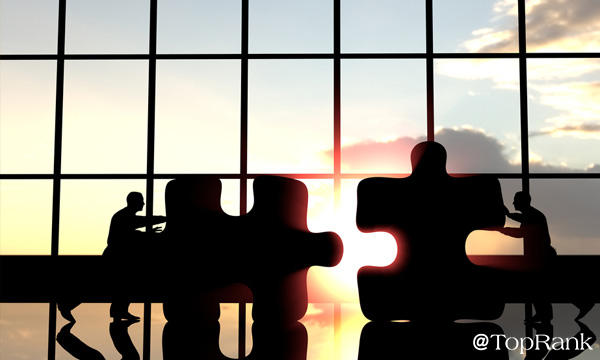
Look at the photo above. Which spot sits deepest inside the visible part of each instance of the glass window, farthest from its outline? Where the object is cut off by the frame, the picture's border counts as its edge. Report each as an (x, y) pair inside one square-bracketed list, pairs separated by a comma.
[(28, 26), (563, 26), (27, 95), (86, 209), (291, 26), (384, 114), (25, 217), (192, 26), (477, 114), (318, 321), (475, 26), (105, 122), (571, 207), (383, 26), (230, 196), (197, 116), (107, 27), (564, 115), (290, 116), (482, 242)]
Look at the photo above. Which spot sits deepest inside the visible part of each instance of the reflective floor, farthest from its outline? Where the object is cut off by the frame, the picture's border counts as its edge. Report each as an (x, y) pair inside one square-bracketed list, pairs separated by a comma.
[(328, 331)]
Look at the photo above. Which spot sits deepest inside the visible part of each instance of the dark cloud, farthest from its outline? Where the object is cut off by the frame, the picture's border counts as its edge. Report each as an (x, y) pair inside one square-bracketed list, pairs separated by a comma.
[(471, 151), (588, 128), (394, 156), (571, 205)]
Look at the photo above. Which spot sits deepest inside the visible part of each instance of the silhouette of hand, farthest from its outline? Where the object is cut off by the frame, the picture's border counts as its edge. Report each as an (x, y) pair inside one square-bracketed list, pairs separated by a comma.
[(157, 229)]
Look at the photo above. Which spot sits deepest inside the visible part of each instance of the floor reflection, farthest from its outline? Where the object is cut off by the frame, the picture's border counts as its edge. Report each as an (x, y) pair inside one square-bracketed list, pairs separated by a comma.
[(327, 332)]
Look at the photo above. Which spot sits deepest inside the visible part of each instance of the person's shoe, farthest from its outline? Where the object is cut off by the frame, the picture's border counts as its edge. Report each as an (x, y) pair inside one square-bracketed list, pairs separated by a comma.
[(584, 308), (126, 316)]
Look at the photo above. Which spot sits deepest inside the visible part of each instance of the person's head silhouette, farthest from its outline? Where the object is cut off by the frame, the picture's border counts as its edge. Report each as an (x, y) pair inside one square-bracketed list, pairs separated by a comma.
[(522, 200), (135, 201)]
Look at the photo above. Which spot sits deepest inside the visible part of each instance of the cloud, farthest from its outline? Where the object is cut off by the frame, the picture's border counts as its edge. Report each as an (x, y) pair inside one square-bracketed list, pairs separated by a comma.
[(379, 157), (552, 25), (503, 72), (582, 130), (394, 156), (567, 86), (469, 151), (570, 205)]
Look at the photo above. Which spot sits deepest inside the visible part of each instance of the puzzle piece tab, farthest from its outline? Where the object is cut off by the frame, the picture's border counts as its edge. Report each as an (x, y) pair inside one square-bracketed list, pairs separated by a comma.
[(430, 214)]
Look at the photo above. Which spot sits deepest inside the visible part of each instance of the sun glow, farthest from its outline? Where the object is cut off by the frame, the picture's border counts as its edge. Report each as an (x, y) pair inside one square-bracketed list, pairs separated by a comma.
[(360, 249)]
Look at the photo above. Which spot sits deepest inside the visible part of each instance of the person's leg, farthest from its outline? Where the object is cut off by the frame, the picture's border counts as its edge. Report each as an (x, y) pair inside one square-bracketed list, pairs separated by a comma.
[(65, 307), (120, 310)]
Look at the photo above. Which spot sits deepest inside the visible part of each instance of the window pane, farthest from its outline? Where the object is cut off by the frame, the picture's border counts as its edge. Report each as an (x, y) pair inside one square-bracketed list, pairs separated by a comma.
[(107, 26), (191, 26), (277, 26), (198, 116), (105, 119), (475, 26), (159, 208), (290, 111), (571, 208), (28, 26), (384, 26), (384, 114), (555, 26), (482, 242), (477, 114), (86, 209), (564, 115), (230, 196), (27, 95), (24, 332), (360, 249), (320, 216), (25, 217)]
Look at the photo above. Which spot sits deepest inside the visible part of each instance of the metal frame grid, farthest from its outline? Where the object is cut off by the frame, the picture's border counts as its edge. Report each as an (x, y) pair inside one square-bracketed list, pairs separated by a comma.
[(244, 56)]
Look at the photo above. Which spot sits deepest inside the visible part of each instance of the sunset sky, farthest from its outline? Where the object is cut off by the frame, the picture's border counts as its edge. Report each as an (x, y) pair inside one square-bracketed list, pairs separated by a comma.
[(290, 111)]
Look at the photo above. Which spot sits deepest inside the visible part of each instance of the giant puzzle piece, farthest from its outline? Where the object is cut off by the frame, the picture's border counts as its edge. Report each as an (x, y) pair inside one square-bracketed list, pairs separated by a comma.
[(269, 250), (430, 214)]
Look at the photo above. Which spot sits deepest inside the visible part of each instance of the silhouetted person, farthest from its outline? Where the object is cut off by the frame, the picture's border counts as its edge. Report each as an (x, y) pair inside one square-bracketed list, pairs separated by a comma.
[(536, 248), (533, 230), (126, 244)]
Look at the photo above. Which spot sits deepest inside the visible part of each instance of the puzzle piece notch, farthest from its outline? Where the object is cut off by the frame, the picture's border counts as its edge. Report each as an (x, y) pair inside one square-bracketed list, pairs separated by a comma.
[(269, 249), (430, 214)]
